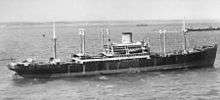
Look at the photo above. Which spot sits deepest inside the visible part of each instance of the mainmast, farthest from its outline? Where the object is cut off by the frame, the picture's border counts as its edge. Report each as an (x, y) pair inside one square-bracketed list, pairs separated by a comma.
[(54, 40), (108, 39), (103, 37), (82, 40), (164, 40), (108, 33), (103, 32)]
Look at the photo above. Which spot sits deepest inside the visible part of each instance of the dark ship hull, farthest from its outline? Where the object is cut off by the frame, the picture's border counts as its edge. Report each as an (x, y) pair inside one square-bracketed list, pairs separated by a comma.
[(203, 29), (199, 57)]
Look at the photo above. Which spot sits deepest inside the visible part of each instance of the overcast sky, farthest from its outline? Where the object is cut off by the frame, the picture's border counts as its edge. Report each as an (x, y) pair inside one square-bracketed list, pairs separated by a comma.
[(79, 10)]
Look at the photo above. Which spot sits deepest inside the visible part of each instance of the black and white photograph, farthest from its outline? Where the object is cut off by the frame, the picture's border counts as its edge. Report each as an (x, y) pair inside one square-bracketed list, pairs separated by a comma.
[(109, 50)]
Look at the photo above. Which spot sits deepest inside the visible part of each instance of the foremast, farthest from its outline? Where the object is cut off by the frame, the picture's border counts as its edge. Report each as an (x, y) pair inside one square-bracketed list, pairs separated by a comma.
[(184, 31), (54, 42), (54, 59)]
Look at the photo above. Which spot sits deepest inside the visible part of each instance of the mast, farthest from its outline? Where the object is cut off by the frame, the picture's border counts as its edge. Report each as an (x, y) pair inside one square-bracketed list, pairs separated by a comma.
[(82, 40), (160, 32), (164, 40), (108, 39), (184, 30), (103, 37), (108, 33), (54, 40)]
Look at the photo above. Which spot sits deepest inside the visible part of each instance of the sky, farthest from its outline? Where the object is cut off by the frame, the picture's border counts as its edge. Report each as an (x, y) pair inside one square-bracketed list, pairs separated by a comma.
[(95, 10)]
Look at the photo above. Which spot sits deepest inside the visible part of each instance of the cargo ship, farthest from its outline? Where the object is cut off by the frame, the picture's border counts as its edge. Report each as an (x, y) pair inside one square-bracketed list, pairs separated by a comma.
[(142, 25), (127, 56), (204, 29)]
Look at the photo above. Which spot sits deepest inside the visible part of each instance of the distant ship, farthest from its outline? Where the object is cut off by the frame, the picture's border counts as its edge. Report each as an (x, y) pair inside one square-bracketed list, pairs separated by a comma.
[(142, 25), (204, 29), (127, 56)]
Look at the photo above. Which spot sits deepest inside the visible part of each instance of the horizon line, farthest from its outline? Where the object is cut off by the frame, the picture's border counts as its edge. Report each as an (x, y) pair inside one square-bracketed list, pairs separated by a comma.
[(126, 20)]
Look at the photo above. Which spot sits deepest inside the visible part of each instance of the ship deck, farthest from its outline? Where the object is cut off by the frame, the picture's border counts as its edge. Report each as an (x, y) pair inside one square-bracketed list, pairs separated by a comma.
[(111, 59)]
